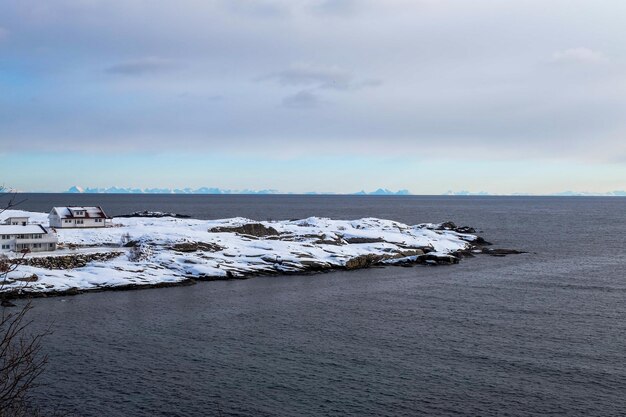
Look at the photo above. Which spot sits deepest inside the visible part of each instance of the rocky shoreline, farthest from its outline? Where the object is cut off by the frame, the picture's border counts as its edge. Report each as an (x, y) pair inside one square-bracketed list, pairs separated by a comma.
[(68, 261), (153, 214), (164, 251), (361, 262)]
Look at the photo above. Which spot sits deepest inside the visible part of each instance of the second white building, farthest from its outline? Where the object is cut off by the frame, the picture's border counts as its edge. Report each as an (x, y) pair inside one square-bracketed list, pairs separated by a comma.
[(77, 217)]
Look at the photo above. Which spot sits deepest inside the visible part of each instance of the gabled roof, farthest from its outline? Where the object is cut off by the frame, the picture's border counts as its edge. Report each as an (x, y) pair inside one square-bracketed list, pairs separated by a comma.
[(29, 229), (8, 220), (90, 212)]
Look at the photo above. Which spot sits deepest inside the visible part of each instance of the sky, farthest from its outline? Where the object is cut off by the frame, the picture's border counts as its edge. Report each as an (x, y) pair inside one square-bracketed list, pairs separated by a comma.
[(517, 96)]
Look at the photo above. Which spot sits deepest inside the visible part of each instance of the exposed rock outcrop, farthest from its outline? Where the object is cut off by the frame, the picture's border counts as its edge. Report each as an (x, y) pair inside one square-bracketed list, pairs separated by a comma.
[(459, 229), (196, 246), (154, 214), (365, 261), (250, 229), (501, 252), (68, 261)]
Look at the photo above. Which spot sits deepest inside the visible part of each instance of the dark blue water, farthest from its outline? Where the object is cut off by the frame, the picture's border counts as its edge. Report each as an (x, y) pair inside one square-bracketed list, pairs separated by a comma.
[(536, 334)]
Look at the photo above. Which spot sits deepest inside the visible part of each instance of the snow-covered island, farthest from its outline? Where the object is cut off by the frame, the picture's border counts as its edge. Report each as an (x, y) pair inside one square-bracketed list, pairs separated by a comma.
[(162, 251)]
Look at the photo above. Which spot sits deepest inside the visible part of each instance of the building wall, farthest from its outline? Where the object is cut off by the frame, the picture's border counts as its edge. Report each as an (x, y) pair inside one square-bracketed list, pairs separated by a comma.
[(17, 221), (54, 220), (75, 223), (7, 242), (46, 243), (36, 247)]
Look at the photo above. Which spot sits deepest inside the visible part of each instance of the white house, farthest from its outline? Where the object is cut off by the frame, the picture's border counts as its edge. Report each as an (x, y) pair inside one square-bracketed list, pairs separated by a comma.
[(16, 221), (17, 235), (74, 217)]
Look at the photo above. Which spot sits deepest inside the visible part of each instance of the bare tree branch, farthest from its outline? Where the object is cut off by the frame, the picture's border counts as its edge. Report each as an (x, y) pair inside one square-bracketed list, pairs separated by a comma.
[(21, 358), (12, 199)]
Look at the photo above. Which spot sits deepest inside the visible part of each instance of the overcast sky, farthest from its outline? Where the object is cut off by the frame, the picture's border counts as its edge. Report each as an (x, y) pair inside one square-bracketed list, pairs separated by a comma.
[(314, 95)]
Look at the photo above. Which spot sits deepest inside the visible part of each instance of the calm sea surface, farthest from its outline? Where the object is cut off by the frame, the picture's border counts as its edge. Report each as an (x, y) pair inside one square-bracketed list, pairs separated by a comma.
[(536, 334)]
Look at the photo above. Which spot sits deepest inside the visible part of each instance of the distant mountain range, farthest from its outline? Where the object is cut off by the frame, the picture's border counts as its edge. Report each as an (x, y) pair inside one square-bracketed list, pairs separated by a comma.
[(384, 191), (450, 192), (208, 190), (381, 191), (203, 190), (619, 193)]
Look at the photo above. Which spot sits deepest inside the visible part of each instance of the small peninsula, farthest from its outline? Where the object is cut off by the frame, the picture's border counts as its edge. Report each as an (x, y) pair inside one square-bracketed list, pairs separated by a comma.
[(161, 249)]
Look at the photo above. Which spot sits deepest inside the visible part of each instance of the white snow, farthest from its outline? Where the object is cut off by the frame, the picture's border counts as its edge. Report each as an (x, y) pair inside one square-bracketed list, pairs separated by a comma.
[(29, 229), (300, 243)]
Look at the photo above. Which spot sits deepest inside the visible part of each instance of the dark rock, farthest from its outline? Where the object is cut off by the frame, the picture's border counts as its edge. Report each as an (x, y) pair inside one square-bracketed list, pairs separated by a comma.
[(428, 249), (272, 259), (197, 246), (156, 214), (251, 229), (73, 291), (68, 261), (316, 265), (412, 252), (481, 241), (364, 261), (32, 278), (357, 240), (452, 226), (501, 252), (6, 303), (447, 226), (337, 242)]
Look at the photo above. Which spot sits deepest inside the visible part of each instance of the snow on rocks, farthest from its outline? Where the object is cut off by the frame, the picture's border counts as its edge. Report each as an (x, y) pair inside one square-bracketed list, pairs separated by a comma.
[(162, 250)]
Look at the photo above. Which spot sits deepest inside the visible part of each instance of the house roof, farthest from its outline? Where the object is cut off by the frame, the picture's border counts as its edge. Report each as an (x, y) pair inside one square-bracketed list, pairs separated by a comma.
[(29, 229), (8, 220), (90, 212)]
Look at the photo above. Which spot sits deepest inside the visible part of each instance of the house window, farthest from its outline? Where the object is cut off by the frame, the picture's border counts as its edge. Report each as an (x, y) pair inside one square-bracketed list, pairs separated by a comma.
[(36, 245), (98, 220), (79, 222), (5, 246), (67, 221), (5, 237)]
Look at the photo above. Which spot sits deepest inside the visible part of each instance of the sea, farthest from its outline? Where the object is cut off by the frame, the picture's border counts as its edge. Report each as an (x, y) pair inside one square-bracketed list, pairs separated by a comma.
[(542, 333)]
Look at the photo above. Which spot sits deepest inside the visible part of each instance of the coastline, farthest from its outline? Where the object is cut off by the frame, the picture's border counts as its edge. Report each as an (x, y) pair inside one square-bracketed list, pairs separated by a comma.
[(163, 251)]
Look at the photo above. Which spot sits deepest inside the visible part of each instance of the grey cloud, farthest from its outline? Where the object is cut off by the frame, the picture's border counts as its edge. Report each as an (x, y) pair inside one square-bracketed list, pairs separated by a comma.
[(320, 77), (301, 100), (579, 55), (316, 76), (141, 66), (336, 7), (257, 8)]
